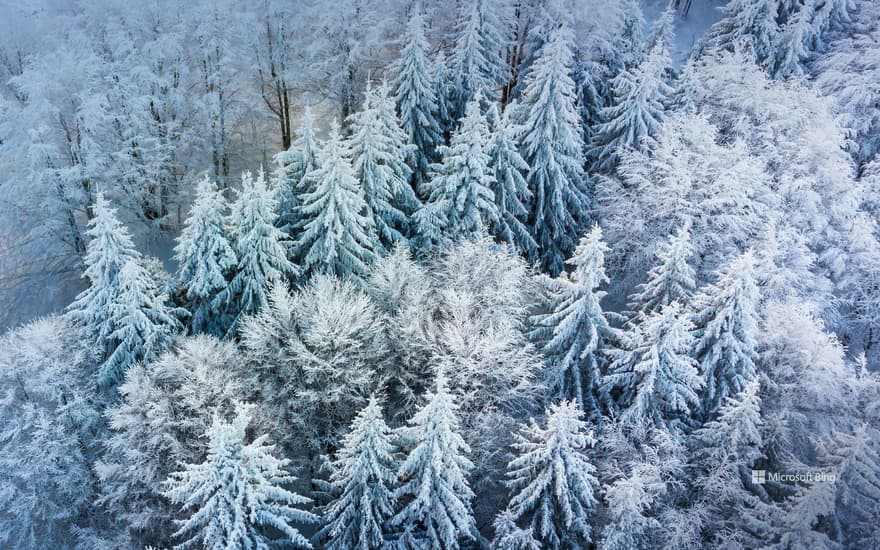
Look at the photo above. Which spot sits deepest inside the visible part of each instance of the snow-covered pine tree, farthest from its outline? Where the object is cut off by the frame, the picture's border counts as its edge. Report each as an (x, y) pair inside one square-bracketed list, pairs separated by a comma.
[(672, 279), (575, 328), (444, 90), (237, 491), (634, 118), (726, 324), (414, 90), (553, 148), (735, 435), (260, 246), (474, 64), (436, 496), (750, 24), (379, 151), (655, 378), (140, 322), (460, 202), (510, 536), (109, 248), (206, 259), (722, 453), (292, 167), (553, 479), (511, 190), (364, 472), (338, 236)]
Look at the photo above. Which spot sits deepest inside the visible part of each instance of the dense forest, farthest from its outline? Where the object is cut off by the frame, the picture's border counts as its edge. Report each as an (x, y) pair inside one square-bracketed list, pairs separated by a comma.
[(497, 274)]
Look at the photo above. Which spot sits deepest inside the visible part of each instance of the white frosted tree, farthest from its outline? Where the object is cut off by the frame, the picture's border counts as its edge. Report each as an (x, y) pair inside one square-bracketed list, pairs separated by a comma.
[(510, 536), (148, 437), (364, 473), (141, 323), (475, 58), (109, 248), (635, 116), (460, 201), (378, 151), (414, 90), (750, 24), (237, 493), (511, 189), (726, 325), (260, 246), (292, 166), (655, 379), (575, 329), (735, 435), (51, 415), (338, 234), (553, 148), (672, 279), (552, 479), (205, 259), (435, 496)]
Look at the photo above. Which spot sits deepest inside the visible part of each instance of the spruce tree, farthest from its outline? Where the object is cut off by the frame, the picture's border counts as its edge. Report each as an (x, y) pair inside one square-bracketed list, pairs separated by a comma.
[(292, 167), (511, 190), (553, 148), (108, 249), (237, 495), (750, 24), (260, 246), (552, 478), (436, 495), (379, 150), (416, 99), (575, 330), (474, 60), (339, 234), (672, 279), (206, 260), (655, 379), (363, 476), (635, 117), (726, 325), (460, 201), (140, 322), (735, 435)]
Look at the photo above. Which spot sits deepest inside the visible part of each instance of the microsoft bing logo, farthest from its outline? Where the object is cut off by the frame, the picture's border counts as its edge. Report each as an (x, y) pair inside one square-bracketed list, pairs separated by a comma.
[(759, 477)]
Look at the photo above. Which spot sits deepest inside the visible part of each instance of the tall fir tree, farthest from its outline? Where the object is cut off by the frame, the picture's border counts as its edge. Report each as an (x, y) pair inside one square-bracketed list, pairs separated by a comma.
[(552, 479), (474, 59), (575, 330), (444, 91), (414, 90), (292, 167), (553, 148), (141, 323), (206, 260), (750, 24), (460, 202), (632, 121), (672, 279), (436, 496), (726, 326), (511, 189), (655, 379), (261, 248), (379, 149), (364, 473), (339, 233), (108, 249), (237, 495)]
